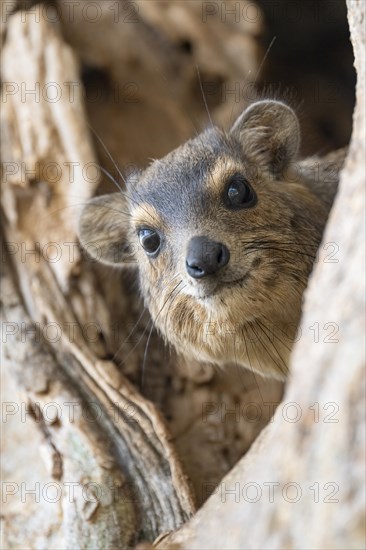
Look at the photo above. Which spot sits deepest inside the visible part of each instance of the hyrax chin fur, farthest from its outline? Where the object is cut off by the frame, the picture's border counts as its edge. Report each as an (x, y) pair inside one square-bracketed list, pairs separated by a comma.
[(224, 232)]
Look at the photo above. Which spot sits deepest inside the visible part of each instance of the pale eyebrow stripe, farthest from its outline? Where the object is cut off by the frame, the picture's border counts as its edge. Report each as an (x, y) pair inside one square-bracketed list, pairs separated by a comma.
[(216, 177), (145, 214)]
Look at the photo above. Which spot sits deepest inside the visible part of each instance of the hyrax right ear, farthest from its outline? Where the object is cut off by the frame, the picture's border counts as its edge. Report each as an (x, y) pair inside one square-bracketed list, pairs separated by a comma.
[(104, 229), (269, 133)]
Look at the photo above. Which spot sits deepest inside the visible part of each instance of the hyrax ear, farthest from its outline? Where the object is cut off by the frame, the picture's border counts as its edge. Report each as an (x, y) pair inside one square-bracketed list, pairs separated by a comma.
[(104, 229), (269, 132)]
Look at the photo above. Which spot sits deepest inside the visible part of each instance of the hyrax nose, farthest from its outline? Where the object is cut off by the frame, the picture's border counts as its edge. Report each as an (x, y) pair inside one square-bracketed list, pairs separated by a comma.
[(205, 257)]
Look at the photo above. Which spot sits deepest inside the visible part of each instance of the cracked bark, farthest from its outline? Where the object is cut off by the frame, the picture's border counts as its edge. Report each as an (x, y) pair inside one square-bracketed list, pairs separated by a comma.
[(138, 488)]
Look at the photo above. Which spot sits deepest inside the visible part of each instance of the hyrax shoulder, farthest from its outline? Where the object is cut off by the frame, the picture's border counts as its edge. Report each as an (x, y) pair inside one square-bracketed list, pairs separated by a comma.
[(223, 231)]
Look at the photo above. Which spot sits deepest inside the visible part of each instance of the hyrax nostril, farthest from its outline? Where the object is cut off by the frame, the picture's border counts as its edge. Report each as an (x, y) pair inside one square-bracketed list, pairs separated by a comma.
[(205, 257), (223, 255)]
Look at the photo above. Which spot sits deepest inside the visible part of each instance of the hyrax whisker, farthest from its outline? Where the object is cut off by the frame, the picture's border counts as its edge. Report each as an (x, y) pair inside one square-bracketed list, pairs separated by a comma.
[(267, 241), (282, 365), (76, 205), (258, 347), (225, 214), (150, 323), (254, 371), (268, 248), (112, 179), (203, 96), (152, 327), (109, 155), (129, 335), (264, 330), (180, 290), (240, 370), (114, 164), (124, 193), (64, 208), (145, 357), (264, 60)]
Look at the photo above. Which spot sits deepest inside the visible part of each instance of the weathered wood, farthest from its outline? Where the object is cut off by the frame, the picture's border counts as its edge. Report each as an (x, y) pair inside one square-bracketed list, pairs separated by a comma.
[(94, 502)]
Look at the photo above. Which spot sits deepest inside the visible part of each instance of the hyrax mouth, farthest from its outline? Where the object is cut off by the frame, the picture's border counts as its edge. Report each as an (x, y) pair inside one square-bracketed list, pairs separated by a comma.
[(204, 290)]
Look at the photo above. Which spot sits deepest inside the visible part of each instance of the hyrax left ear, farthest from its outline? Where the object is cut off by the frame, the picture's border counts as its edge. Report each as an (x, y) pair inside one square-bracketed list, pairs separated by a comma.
[(269, 132), (104, 230)]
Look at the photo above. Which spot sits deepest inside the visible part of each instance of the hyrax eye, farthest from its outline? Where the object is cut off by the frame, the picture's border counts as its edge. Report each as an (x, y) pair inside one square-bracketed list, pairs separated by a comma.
[(239, 193), (150, 241)]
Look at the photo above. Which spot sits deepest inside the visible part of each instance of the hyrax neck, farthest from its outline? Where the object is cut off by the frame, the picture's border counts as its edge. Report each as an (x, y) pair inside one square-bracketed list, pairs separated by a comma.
[(262, 344)]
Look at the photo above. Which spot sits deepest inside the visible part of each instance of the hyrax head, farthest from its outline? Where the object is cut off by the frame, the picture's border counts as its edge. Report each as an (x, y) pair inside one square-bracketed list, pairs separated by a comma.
[(208, 227)]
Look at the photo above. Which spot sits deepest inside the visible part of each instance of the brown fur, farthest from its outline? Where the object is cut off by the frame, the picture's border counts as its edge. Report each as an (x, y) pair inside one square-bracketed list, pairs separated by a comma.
[(249, 312)]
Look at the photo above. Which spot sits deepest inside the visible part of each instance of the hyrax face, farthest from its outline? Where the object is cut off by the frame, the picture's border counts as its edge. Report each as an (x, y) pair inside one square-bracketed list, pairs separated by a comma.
[(221, 238)]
